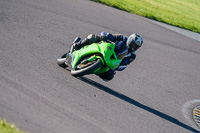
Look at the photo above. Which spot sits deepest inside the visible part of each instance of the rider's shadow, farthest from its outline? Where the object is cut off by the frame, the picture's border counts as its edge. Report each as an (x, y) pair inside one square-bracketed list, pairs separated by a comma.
[(135, 103)]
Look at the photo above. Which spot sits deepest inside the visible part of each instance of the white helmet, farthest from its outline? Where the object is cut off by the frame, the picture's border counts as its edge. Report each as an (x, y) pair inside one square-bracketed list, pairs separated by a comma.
[(134, 42)]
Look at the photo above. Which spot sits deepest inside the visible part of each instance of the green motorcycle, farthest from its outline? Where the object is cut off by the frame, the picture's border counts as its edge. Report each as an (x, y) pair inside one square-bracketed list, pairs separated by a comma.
[(96, 58)]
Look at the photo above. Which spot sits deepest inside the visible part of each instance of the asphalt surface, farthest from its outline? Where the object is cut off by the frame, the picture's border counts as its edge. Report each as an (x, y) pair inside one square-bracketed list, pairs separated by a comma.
[(155, 94)]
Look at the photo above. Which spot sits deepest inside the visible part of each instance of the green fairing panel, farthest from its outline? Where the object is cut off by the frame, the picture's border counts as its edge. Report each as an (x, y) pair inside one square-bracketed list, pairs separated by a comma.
[(93, 48), (107, 51)]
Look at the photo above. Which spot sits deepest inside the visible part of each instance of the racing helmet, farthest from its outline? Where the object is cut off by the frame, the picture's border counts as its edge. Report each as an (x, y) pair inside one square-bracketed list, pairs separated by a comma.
[(134, 42)]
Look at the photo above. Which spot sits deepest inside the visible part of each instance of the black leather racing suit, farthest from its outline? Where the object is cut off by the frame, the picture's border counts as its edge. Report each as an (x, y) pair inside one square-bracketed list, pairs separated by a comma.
[(120, 49)]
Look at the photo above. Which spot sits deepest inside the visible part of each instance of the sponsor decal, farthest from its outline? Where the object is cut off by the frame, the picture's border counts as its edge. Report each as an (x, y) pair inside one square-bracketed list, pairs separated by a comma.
[(109, 48), (116, 64)]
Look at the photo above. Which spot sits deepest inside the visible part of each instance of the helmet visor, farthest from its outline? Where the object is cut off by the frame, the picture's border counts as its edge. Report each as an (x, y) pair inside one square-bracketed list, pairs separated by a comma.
[(134, 47)]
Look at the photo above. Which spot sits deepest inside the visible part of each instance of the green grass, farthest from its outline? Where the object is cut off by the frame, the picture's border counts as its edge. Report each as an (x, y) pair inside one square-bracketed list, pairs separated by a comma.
[(6, 127), (180, 13)]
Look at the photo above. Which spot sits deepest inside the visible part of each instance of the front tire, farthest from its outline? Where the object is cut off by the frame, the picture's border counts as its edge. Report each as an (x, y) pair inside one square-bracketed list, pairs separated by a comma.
[(78, 72), (61, 61)]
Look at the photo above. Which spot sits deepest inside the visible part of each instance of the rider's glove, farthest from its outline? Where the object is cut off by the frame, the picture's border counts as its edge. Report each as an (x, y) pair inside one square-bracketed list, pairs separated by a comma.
[(106, 36)]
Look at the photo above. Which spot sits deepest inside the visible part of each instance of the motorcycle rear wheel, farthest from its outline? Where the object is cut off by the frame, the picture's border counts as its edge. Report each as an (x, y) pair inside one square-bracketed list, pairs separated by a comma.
[(87, 68)]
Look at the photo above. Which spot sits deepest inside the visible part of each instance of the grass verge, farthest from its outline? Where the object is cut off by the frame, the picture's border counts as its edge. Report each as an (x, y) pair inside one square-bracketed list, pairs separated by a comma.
[(180, 13), (6, 127)]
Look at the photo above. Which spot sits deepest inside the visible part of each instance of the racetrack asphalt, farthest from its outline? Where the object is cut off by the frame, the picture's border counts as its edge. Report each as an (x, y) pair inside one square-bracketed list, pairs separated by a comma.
[(154, 94)]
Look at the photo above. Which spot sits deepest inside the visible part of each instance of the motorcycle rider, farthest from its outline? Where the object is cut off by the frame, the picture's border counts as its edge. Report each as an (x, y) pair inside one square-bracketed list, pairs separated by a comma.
[(125, 49)]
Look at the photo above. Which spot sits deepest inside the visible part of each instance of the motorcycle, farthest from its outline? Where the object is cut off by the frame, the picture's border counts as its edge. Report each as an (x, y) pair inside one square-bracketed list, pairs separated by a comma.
[(95, 58)]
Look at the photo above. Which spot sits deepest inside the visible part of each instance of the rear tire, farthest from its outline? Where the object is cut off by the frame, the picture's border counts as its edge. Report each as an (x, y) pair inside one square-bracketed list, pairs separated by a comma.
[(87, 70), (61, 61)]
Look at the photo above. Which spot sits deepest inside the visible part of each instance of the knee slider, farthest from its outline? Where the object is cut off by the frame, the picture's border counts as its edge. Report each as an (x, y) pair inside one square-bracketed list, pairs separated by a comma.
[(91, 36)]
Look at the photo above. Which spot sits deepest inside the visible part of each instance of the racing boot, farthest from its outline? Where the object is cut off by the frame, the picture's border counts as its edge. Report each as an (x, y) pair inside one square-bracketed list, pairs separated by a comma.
[(77, 39), (75, 45), (80, 44), (107, 76)]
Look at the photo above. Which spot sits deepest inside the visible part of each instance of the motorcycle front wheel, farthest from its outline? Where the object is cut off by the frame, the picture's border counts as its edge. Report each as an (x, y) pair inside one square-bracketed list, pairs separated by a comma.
[(86, 68), (61, 60)]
